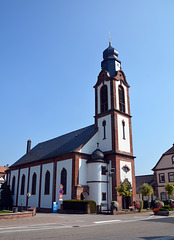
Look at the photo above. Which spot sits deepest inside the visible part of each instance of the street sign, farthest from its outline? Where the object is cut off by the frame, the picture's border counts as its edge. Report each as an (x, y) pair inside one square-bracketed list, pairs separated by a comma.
[(61, 191), (60, 196), (60, 186)]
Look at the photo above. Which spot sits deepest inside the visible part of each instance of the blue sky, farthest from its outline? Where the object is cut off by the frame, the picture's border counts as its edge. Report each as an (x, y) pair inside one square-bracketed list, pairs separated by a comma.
[(50, 57)]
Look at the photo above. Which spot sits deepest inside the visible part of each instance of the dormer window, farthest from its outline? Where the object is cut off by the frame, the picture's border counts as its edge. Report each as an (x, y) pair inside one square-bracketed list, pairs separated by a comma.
[(121, 99), (104, 99)]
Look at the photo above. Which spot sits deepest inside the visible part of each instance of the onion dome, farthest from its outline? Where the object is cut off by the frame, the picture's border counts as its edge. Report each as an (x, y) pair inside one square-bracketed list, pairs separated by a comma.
[(97, 155), (110, 52), (110, 62)]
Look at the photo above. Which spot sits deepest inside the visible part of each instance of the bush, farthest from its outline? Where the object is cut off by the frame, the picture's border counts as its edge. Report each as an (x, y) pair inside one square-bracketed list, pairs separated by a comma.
[(165, 209), (159, 204), (79, 205), (6, 201)]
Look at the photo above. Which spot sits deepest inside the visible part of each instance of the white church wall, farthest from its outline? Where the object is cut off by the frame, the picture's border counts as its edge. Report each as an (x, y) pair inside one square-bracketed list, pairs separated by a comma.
[(123, 144), (96, 182), (22, 198), (125, 95), (34, 199), (98, 94), (46, 200), (14, 173), (123, 174), (105, 144), (82, 172), (91, 145), (67, 164)]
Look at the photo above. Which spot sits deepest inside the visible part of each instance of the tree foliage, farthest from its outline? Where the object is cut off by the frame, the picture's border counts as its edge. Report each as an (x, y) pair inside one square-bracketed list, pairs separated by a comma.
[(169, 189), (125, 189), (6, 201), (146, 190)]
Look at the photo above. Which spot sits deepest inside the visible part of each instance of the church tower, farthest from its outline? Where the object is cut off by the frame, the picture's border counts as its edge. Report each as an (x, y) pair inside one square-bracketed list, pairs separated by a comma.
[(113, 120)]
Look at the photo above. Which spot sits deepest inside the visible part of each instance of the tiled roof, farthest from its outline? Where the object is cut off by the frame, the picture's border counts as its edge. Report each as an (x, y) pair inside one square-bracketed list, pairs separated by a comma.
[(2, 169), (140, 180), (64, 144)]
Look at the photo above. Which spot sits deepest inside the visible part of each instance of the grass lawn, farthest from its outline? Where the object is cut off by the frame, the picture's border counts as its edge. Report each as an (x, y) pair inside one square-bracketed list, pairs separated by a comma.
[(4, 211)]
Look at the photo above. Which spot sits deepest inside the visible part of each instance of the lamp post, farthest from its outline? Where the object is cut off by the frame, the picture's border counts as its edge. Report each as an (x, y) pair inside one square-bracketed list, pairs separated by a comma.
[(28, 196)]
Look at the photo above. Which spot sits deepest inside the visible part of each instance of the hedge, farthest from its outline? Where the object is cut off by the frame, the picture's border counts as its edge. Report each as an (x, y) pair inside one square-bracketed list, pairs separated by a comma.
[(79, 205)]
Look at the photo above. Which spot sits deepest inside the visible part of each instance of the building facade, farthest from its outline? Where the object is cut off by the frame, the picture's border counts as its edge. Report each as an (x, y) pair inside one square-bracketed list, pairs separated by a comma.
[(89, 162), (164, 173)]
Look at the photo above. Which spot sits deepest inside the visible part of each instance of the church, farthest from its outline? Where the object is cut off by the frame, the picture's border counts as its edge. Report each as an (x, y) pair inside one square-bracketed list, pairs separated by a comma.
[(90, 162)]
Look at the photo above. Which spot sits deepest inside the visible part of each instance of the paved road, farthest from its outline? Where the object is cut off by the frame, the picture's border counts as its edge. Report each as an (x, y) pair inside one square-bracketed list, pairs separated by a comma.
[(61, 226)]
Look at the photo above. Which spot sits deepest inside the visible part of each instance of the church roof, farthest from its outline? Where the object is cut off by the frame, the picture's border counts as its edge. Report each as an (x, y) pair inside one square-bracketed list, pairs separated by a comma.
[(64, 144)]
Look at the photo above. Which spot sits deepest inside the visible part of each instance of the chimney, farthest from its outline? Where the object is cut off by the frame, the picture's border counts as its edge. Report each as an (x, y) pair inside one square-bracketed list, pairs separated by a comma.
[(28, 146)]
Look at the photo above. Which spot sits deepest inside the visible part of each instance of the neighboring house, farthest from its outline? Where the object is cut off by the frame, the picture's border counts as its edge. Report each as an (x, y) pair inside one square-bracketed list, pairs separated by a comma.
[(90, 162), (164, 173), (3, 174), (147, 179)]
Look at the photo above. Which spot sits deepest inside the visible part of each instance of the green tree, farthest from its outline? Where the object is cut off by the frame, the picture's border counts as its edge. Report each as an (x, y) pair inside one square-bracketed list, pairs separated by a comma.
[(124, 190), (6, 201), (169, 188), (146, 190)]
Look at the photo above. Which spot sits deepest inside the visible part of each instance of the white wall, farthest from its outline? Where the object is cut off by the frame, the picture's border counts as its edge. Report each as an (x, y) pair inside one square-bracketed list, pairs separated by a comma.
[(34, 199), (109, 95), (123, 174), (24, 197), (96, 182), (82, 172), (67, 164), (14, 173), (123, 144), (104, 144), (46, 200)]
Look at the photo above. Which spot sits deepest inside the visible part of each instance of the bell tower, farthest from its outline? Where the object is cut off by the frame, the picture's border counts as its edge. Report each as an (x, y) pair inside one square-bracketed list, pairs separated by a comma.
[(113, 119)]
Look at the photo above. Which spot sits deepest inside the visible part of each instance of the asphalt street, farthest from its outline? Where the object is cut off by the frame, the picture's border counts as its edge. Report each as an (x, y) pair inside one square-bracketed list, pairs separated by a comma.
[(63, 226)]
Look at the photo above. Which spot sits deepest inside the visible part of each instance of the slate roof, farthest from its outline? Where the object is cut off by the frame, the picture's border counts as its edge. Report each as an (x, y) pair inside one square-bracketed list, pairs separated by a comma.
[(67, 143), (140, 180), (170, 151)]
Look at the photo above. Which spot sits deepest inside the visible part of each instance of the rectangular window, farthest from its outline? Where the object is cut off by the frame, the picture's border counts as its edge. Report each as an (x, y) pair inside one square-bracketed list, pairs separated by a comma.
[(103, 170), (163, 196), (161, 178), (103, 196), (171, 177)]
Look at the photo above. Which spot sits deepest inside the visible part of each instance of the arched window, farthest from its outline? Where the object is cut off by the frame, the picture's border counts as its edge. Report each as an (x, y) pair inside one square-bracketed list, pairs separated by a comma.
[(47, 183), (103, 99), (23, 185), (13, 185), (121, 99), (64, 179), (34, 178)]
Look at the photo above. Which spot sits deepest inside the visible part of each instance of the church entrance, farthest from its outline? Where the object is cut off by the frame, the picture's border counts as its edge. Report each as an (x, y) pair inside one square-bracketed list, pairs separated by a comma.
[(126, 202)]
